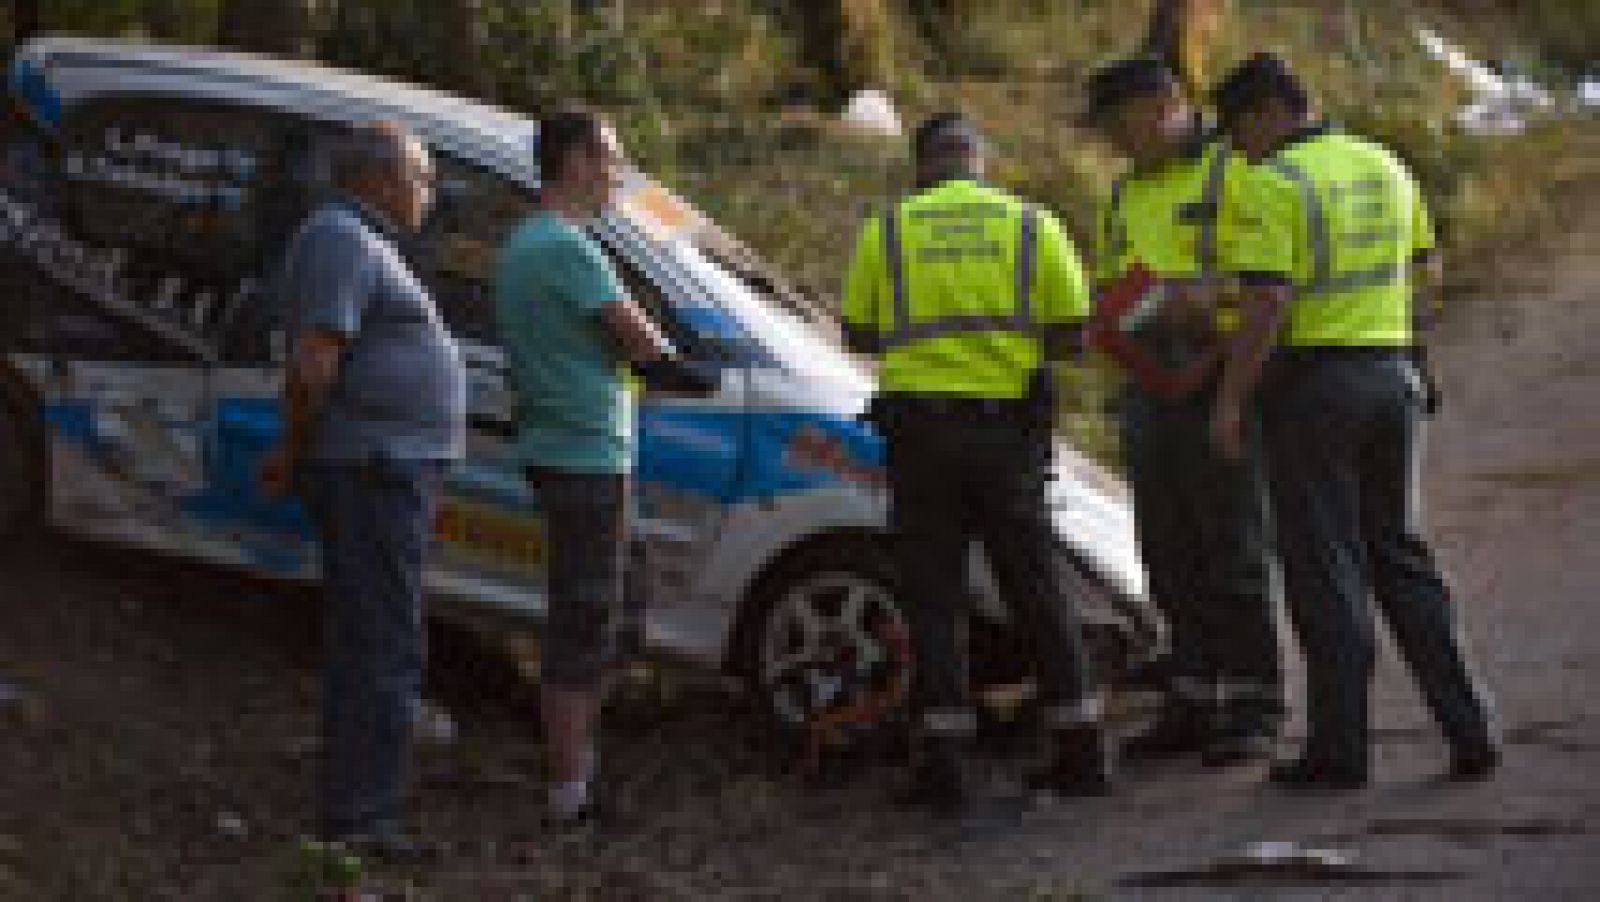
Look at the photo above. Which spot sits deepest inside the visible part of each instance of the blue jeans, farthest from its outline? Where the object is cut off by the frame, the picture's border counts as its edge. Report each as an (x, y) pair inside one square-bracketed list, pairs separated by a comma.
[(374, 520)]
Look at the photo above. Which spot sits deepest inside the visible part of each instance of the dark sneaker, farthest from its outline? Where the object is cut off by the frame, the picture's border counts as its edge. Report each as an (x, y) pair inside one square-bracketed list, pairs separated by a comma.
[(942, 792), (583, 822), (1177, 731), (1081, 766), (1473, 765), (1304, 775)]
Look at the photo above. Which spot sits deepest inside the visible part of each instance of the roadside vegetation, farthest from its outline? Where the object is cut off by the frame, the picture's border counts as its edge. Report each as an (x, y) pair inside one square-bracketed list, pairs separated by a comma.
[(734, 102)]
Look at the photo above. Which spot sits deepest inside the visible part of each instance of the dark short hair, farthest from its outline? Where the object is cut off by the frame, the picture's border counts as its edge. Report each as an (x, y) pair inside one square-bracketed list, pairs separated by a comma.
[(1119, 81), (947, 133), (563, 133), (1263, 77)]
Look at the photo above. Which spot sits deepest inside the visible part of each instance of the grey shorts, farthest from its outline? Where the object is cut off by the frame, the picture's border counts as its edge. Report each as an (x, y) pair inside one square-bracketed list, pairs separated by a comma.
[(587, 524)]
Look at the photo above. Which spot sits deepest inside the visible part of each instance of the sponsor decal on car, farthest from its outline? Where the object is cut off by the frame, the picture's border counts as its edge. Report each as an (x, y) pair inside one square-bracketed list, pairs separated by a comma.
[(491, 537)]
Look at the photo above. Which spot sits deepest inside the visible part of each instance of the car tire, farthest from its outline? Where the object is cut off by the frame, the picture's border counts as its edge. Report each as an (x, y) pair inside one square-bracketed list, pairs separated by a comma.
[(814, 626), (832, 569), (22, 466)]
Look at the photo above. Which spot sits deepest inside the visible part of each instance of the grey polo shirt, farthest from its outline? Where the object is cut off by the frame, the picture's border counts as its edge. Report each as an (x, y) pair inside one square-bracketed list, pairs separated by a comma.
[(401, 392)]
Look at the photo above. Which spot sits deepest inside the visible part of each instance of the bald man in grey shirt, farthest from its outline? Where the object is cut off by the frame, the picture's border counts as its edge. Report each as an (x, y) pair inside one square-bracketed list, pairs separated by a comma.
[(374, 402)]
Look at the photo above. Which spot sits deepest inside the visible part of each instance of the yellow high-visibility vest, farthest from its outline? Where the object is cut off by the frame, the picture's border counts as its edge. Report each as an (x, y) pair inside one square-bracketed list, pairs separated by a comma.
[(957, 281), (1344, 221), (1168, 220)]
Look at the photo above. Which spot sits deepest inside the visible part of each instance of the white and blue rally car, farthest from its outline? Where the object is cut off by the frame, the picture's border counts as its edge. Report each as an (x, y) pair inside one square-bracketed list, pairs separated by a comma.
[(145, 195)]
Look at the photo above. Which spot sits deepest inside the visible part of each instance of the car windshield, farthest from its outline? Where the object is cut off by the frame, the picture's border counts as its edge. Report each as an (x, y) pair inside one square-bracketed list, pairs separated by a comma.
[(756, 330)]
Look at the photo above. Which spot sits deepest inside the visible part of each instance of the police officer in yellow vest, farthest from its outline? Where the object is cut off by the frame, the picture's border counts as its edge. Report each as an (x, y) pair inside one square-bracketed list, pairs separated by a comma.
[(1201, 518), (967, 295), (1328, 231)]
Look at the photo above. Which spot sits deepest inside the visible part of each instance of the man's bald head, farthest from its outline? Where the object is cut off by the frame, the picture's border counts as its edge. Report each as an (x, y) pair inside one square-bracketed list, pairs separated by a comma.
[(371, 149), (387, 166)]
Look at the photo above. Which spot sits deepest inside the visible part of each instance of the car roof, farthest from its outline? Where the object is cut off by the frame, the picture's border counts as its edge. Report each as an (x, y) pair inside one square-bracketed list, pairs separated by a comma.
[(74, 70), (52, 73)]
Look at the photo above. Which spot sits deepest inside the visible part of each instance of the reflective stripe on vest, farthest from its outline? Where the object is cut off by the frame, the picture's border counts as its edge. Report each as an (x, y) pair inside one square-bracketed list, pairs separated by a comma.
[(1206, 260), (1206, 267), (905, 331), (1324, 281), (1211, 199)]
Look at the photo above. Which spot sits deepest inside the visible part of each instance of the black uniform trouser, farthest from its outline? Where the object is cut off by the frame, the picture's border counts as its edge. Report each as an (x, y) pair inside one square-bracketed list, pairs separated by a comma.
[(1343, 433), (953, 482), (1202, 527)]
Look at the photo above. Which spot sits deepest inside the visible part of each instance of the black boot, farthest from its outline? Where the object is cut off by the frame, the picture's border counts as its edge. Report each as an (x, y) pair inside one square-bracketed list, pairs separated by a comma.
[(938, 779), (1181, 727), (1245, 730), (1309, 775), (1081, 765), (1470, 764)]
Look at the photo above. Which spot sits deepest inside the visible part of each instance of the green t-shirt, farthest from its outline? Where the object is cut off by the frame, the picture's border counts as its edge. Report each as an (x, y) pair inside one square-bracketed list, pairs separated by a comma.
[(574, 407)]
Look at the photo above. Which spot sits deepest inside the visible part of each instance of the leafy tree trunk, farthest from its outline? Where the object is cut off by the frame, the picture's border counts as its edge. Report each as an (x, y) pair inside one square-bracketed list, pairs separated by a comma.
[(165, 20), (275, 27), (463, 48), (937, 23), (1186, 33), (845, 44)]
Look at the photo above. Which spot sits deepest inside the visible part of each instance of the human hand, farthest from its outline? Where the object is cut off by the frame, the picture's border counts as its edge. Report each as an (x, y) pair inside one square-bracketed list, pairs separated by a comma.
[(276, 476)]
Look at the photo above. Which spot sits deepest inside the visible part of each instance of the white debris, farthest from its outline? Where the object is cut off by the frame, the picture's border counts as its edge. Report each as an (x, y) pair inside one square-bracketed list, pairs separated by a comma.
[(1589, 92), (434, 725), (871, 111), (1292, 856), (232, 825), (1490, 119), (1483, 81), (1502, 103)]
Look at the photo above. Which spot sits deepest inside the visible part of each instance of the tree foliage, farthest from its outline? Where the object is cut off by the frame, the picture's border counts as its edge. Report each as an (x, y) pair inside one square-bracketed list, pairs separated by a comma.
[(277, 27)]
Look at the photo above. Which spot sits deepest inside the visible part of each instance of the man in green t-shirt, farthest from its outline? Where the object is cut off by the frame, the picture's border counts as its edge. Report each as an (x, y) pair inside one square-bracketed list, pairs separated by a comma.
[(569, 329)]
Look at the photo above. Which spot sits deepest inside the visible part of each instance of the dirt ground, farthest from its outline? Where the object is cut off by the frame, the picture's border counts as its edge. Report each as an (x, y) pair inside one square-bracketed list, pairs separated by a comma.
[(155, 720)]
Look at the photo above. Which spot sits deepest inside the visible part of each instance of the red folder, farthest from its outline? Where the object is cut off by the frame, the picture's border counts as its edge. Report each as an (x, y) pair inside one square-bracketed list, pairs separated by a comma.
[(1122, 305)]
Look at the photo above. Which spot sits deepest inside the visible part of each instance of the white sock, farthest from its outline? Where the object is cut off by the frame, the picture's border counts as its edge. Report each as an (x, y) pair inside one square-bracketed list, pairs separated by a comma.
[(569, 797)]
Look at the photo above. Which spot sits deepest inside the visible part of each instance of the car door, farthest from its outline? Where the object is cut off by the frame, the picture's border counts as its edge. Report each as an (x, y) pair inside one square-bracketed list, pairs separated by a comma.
[(134, 264), (692, 450), (491, 540), (285, 157)]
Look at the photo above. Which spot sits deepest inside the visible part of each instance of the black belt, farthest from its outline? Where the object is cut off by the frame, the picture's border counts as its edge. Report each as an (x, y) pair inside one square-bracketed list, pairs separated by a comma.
[(958, 407), (1315, 353)]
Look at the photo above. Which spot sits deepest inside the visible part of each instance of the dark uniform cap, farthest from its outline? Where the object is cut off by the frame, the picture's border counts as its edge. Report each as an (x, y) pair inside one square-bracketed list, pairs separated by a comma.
[(1262, 77), (1120, 81), (947, 131)]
